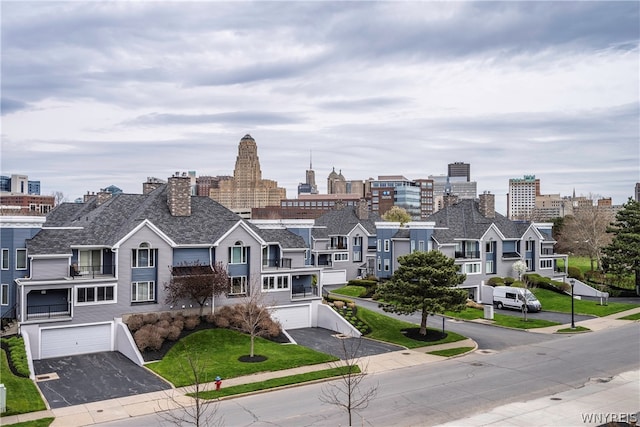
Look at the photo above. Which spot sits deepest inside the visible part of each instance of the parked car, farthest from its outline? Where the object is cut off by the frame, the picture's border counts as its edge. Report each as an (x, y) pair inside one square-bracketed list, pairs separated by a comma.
[(510, 297)]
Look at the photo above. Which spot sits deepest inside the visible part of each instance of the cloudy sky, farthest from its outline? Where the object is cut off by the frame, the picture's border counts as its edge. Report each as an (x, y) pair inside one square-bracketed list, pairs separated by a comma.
[(102, 93)]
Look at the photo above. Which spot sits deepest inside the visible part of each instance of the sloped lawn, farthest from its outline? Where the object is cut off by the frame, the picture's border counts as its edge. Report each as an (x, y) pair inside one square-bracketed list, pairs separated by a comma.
[(22, 393), (217, 352), (553, 301)]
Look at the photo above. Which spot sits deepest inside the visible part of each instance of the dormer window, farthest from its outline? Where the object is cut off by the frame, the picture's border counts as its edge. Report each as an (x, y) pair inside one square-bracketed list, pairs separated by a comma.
[(144, 256)]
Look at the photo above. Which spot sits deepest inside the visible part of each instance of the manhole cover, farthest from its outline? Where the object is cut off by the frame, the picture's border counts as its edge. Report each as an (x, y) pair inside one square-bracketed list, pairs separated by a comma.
[(477, 364), (541, 354), (601, 380), (486, 351), (405, 353), (556, 398)]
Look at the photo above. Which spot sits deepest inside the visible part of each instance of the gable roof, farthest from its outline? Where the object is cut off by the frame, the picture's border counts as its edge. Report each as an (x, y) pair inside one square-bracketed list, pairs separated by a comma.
[(108, 223), (340, 222), (463, 220)]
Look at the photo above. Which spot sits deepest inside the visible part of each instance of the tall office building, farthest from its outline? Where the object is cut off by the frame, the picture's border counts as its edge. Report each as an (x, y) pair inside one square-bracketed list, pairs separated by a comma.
[(309, 186), (459, 169), (521, 199), (247, 189), (637, 191)]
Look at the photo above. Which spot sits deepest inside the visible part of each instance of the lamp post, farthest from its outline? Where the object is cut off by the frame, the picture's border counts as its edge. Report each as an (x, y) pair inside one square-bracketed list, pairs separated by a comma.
[(573, 323)]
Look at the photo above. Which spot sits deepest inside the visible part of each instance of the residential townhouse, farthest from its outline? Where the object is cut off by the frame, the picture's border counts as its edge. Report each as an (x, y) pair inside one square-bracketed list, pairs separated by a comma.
[(93, 263), (483, 243)]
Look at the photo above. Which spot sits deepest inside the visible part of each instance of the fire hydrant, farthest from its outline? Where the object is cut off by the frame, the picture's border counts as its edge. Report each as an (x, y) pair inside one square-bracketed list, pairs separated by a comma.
[(218, 383)]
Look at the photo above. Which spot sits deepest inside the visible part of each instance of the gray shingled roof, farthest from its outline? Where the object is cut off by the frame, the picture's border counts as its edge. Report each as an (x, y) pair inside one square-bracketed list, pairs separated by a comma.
[(340, 222), (106, 224), (463, 220)]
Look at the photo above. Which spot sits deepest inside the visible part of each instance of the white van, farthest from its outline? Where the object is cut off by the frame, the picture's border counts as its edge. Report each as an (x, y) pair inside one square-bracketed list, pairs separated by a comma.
[(510, 297)]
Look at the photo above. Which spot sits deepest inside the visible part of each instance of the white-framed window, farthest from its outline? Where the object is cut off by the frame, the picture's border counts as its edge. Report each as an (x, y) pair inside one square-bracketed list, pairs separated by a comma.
[(387, 245), (528, 262), (379, 245), (5, 259), (341, 256), (238, 285), (379, 263), (489, 267), (4, 294), (143, 292), (387, 265), (413, 246), (96, 294), (421, 245), (529, 245), (275, 283), (546, 263), (489, 247), (357, 256), (473, 268), (238, 253), (143, 256), (21, 259)]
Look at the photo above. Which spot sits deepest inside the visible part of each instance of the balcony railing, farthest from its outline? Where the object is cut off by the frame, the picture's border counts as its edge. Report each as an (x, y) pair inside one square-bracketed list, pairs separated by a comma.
[(467, 254), (304, 291), (91, 271), (49, 311), (278, 263)]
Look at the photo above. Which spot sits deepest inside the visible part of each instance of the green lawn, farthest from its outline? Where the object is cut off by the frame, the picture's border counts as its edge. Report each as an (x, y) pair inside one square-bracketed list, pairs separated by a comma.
[(451, 351), (385, 328), (632, 317), (515, 321), (350, 291), (573, 331), (553, 301), (277, 382), (42, 422), (22, 394), (217, 352)]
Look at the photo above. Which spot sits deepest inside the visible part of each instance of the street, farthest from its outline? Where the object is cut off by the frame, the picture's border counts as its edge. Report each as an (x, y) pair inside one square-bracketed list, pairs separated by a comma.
[(444, 391)]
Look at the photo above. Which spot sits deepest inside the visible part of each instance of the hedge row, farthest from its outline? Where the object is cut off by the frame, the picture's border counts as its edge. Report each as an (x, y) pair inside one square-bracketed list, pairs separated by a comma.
[(17, 354)]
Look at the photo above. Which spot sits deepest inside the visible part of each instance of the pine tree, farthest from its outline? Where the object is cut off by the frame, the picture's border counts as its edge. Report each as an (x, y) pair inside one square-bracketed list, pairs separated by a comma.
[(623, 254), (425, 282)]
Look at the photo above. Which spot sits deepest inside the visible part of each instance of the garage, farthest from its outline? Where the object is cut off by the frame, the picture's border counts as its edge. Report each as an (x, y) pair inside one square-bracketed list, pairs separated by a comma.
[(58, 342), (293, 316)]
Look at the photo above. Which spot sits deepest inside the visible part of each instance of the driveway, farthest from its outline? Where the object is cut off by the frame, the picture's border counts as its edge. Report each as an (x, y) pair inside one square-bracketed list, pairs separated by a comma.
[(75, 380), (332, 343)]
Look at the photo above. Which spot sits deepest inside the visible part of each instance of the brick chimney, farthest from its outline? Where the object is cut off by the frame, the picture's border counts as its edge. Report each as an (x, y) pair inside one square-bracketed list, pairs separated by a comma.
[(179, 195), (151, 184), (449, 199), (487, 205), (103, 196), (362, 210)]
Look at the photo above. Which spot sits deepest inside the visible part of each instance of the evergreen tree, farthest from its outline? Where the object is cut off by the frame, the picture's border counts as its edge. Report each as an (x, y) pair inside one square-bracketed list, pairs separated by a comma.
[(425, 282), (623, 254)]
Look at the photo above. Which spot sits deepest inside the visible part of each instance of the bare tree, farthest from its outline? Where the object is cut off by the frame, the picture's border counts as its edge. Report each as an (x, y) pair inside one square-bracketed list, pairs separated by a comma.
[(58, 197), (198, 282), (346, 392), (253, 316), (192, 409), (585, 233)]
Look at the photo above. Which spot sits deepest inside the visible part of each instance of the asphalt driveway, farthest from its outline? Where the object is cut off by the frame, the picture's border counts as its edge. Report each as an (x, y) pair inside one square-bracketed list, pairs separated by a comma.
[(80, 379), (333, 343)]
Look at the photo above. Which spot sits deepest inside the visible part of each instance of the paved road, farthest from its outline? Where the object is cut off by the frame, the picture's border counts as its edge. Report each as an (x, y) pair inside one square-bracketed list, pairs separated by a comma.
[(449, 390)]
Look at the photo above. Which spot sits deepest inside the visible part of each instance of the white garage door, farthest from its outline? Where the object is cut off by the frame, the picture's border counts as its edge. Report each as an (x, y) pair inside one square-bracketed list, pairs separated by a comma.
[(293, 317), (60, 342)]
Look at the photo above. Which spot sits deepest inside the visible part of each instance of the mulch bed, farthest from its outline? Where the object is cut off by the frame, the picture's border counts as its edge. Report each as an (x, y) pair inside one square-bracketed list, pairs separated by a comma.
[(414, 334)]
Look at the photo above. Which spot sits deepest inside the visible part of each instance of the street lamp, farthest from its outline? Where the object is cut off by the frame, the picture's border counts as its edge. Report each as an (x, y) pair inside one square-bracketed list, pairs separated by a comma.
[(573, 323)]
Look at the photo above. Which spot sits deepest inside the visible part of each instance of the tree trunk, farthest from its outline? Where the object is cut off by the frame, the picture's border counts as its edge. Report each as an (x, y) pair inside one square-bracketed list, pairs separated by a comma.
[(423, 322), (252, 339)]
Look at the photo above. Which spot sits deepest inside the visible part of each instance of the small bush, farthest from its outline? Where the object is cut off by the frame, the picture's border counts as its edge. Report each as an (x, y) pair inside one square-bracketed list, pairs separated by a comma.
[(150, 318), (508, 281), (165, 315), (338, 304), (18, 355), (135, 322), (174, 333), (575, 273), (178, 317), (148, 337), (222, 322), (191, 322), (495, 281), (178, 323)]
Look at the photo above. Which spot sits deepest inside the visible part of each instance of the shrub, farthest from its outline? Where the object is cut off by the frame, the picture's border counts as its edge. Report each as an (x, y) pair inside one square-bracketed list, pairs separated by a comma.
[(575, 273), (135, 322), (595, 276), (495, 281), (338, 304), (18, 355), (191, 322), (148, 337), (178, 323), (150, 318), (222, 321), (508, 281), (178, 317), (174, 333), (165, 315)]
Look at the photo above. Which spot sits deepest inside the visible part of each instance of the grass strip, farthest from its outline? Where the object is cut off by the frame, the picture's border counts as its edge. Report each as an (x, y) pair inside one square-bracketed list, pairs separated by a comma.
[(554, 301), (448, 352), (631, 317), (275, 382), (570, 331), (42, 422), (22, 394)]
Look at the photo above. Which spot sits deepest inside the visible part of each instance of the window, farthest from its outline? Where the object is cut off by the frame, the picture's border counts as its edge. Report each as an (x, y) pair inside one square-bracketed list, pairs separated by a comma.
[(529, 245), (341, 256), (472, 268), (21, 259), (143, 292), (275, 283), (546, 263), (5, 259), (528, 262), (144, 256), (379, 264), (489, 247), (4, 294), (238, 254), (386, 265), (238, 285), (489, 267), (357, 256), (379, 245), (413, 246), (421, 245), (387, 245), (95, 294)]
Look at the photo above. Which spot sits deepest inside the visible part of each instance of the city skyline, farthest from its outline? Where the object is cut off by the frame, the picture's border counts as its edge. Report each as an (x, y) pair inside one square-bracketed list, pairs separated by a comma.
[(99, 94)]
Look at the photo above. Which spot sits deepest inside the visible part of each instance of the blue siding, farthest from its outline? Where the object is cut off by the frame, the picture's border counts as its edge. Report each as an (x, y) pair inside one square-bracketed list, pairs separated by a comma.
[(12, 239), (144, 274)]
